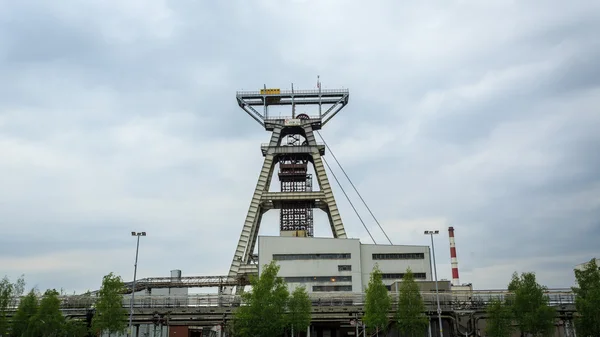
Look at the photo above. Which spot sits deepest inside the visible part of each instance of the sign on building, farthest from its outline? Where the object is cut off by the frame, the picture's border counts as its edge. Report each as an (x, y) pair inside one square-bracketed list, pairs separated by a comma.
[(292, 122)]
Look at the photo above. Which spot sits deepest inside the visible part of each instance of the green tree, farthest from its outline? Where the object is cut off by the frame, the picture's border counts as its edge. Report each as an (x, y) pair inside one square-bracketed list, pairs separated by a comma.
[(299, 308), (48, 320), (75, 328), (110, 315), (410, 316), (264, 309), (377, 303), (8, 294), (28, 308), (530, 306), (587, 301), (499, 321)]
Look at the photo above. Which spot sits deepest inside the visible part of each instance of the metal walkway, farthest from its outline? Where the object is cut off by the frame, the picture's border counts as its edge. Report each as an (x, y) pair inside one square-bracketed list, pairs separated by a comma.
[(185, 282), (449, 301)]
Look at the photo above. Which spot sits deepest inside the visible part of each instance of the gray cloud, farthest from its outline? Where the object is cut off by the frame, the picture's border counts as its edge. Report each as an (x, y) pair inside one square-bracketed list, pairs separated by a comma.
[(117, 117)]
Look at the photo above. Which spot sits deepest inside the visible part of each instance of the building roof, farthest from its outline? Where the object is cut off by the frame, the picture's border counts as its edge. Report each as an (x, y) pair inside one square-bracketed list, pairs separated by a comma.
[(582, 265)]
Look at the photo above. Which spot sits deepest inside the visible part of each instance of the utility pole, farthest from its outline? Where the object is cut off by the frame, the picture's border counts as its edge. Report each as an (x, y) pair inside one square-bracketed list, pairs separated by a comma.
[(437, 292), (137, 247)]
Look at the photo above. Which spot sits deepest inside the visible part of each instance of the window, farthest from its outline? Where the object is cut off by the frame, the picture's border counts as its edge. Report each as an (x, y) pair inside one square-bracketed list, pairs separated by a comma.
[(399, 256), (395, 276), (331, 288), (344, 267), (303, 279), (325, 256)]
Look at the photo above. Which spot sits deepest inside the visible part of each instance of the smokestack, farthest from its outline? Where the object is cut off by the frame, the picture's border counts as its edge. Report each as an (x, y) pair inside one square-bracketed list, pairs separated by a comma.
[(453, 259)]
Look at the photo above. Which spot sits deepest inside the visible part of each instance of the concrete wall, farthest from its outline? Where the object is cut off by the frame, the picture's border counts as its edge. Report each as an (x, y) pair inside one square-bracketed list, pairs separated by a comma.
[(393, 266), (269, 245), (360, 261), (427, 286)]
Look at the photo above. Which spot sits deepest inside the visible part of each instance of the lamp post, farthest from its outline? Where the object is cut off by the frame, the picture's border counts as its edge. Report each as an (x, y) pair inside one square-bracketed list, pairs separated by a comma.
[(437, 293), (137, 247)]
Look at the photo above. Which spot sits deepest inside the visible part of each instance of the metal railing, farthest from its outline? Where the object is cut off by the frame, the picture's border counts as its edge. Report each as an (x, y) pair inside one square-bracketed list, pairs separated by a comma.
[(295, 92), (448, 300), (265, 145), (283, 118)]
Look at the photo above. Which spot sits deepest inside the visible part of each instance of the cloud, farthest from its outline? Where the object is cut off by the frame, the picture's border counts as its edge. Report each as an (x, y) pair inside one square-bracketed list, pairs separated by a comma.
[(120, 116)]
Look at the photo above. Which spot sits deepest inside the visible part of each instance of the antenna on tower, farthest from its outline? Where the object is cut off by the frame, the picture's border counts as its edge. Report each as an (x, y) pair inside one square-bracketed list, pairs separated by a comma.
[(265, 109), (319, 87), (293, 103)]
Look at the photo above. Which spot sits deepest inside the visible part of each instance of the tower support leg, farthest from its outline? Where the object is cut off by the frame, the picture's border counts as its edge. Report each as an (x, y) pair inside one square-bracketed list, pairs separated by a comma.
[(335, 219), (249, 232), (241, 263)]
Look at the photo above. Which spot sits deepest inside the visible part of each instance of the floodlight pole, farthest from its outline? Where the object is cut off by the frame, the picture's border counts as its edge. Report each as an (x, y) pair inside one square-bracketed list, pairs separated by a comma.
[(437, 293), (137, 248)]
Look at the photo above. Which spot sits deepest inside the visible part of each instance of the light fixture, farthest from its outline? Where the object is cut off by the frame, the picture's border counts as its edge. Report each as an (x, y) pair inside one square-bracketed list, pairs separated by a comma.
[(137, 247)]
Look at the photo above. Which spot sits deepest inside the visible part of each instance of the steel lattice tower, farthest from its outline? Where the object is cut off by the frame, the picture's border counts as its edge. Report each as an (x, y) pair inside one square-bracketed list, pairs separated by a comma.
[(293, 147)]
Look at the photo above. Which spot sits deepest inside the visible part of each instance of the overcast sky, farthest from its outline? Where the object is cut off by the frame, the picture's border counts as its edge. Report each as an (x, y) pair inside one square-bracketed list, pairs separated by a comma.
[(120, 116)]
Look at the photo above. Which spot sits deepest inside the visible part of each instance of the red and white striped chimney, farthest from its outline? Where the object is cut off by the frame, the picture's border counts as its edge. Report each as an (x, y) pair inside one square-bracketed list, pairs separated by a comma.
[(453, 259)]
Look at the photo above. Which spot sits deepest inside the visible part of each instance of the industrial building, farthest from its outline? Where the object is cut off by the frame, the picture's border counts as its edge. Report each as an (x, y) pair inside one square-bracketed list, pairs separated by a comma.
[(337, 266), (340, 265), (582, 266)]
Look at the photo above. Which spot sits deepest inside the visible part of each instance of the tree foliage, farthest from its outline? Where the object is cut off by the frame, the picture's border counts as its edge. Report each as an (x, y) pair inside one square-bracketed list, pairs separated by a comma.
[(410, 316), (264, 312), (110, 315), (299, 309), (75, 328), (530, 306), (499, 321), (26, 310), (377, 303), (48, 319), (8, 293), (587, 301)]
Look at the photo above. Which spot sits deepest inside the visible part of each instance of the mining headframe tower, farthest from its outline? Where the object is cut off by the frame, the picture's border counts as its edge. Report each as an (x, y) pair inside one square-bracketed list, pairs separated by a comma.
[(293, 147)]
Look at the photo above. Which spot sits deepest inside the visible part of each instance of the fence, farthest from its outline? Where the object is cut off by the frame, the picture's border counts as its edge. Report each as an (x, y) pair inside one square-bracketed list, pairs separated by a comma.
[(448, 301)]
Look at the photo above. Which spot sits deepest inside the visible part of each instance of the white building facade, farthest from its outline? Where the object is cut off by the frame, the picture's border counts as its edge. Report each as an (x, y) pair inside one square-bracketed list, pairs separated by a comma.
[(340, 265), (582, 266)]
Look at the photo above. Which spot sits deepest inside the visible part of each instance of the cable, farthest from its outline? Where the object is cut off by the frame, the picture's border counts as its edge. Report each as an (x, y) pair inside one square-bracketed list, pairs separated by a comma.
[(361, 198), (354, 208)]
